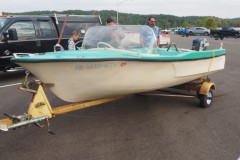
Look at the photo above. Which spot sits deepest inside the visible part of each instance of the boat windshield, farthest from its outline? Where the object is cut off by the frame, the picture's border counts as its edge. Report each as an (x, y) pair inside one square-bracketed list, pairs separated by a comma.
[(3, 22), (120, 37)]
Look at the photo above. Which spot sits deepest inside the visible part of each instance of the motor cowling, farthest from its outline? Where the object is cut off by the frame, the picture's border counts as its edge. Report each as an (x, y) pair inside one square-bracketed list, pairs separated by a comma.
[(200, 44)]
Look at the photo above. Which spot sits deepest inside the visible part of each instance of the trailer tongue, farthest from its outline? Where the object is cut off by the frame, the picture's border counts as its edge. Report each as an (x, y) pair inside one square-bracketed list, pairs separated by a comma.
[(40, 110)]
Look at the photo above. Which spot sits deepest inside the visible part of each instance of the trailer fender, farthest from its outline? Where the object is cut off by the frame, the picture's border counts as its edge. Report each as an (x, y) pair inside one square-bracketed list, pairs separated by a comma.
[(206, 87)]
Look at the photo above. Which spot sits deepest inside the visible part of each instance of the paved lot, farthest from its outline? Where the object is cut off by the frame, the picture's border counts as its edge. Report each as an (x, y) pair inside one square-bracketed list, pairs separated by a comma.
[(134, 128)]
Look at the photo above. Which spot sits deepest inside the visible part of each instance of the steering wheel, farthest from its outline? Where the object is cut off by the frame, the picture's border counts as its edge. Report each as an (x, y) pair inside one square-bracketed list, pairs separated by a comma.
[(78, 43), (103, 43)]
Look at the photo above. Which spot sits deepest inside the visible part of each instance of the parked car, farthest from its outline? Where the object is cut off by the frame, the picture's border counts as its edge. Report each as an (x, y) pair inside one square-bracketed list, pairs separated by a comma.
[(181, 31), (198, 31), (184, 31), (37, 34), (166, 31), (225, 32)]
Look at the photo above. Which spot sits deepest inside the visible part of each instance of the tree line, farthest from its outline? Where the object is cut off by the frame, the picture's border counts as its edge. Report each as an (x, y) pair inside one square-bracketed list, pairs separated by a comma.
[(163, 21)]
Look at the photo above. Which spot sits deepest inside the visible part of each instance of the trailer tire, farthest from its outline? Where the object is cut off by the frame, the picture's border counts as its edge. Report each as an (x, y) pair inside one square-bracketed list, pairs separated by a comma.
[(206, 100)]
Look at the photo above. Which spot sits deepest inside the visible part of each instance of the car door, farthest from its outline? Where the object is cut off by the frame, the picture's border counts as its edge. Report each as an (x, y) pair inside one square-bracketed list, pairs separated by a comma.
[(226, 32), (231, 32), (198, 31), (26, 41), (47, 34)]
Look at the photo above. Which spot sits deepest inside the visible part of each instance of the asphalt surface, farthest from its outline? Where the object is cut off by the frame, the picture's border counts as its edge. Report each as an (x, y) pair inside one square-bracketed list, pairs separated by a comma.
[(134, 128)]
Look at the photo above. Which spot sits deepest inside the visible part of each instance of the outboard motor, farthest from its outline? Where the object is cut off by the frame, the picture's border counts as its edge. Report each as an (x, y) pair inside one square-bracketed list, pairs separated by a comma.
[(200, 44)]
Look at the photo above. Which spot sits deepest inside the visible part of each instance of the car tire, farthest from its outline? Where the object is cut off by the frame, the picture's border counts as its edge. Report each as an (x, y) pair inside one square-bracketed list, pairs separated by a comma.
[(216, 37), (206, 34), (236, 36)]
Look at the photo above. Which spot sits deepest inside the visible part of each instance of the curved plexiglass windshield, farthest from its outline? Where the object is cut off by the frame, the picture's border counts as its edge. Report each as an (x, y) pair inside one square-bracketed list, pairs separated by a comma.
[(119, 37), (3, 22)]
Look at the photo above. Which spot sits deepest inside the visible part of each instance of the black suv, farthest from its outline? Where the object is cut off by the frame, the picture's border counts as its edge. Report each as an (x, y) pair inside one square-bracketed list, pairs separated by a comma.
[(37, 34)]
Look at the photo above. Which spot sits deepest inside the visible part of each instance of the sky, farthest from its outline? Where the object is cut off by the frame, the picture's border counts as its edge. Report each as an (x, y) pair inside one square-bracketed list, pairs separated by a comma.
[(217, 8)]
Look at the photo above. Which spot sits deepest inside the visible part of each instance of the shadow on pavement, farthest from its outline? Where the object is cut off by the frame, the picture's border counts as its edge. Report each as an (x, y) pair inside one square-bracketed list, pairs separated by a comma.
[(12, 75)]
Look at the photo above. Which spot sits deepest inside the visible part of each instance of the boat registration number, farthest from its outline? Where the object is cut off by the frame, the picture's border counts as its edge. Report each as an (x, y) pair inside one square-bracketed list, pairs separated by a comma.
[(95, 66)]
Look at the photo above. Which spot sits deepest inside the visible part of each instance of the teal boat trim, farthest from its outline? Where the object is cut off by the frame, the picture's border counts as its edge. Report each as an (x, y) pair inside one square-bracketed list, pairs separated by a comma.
[(106, 59), (119, 55)]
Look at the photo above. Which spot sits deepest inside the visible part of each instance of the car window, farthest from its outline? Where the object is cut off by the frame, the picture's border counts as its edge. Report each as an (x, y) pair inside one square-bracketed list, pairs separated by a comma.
[(25, 29), (76, 26), (3, 22), (45, 28)]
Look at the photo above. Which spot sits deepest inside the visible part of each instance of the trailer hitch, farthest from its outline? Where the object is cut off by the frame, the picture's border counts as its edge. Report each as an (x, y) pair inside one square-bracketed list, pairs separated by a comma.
[(25, 120), (39, 109)]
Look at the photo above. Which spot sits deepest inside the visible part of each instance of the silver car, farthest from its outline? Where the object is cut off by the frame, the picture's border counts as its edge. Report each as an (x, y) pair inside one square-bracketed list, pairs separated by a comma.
[(198, 31)]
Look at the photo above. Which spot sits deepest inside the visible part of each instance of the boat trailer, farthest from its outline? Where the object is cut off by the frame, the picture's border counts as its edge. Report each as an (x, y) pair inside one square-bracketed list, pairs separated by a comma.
[(40, 110), (203, 88)]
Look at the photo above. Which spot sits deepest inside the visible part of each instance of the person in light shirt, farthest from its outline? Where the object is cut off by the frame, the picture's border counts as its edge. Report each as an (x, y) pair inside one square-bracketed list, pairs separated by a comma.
[(146, 37), (74, 38)]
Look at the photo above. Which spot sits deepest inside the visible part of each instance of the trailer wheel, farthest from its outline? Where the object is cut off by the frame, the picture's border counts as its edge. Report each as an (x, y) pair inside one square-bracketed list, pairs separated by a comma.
[(206, 100)]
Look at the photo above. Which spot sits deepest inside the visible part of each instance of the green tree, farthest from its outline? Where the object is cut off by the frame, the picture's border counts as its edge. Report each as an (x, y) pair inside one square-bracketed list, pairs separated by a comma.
[(223, 23), (208, 22), (165, 24), (201, 22), (185, 24), (211, 23), (236, 23)]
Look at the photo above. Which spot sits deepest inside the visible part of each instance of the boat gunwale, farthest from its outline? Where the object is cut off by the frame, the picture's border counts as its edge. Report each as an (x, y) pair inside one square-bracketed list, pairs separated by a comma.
[(110, 59)]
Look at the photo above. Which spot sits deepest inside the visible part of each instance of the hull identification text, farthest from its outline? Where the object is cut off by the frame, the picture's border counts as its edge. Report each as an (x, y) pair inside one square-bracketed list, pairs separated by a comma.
[(95, 66)]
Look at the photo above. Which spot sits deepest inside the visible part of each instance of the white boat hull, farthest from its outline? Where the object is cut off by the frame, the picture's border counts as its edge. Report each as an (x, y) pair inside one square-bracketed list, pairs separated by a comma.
[(82, 81)]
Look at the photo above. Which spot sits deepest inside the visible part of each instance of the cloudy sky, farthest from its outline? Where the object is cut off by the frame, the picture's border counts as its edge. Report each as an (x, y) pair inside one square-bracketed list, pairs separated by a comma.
[(218, 8)]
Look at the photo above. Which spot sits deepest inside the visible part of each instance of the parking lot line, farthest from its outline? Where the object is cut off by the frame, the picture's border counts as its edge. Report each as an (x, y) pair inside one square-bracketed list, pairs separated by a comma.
[(10, 85)]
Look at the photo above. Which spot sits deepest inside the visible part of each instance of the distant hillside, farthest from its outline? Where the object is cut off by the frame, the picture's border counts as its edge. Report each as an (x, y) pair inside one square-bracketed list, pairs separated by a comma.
[(163, 21)]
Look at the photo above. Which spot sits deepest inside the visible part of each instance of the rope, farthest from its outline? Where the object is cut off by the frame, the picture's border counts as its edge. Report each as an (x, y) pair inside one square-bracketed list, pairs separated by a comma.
[(62, 31), (211, 62)]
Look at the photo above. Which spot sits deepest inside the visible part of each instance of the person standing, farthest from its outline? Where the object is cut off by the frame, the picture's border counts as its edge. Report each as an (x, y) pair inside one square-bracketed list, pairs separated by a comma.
[(111, 22), (152, 24), (116, 34)]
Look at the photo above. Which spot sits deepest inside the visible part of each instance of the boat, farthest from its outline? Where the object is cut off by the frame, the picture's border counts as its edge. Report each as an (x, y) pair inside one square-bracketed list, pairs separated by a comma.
[(119, 60)]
